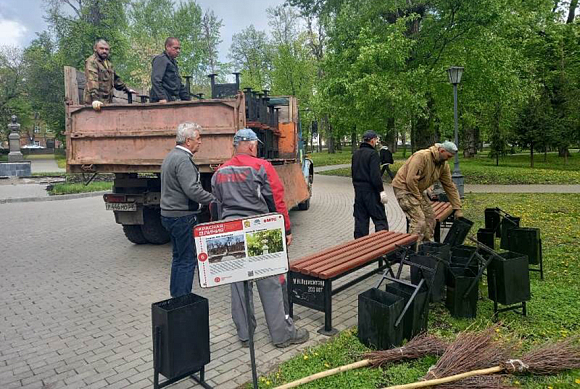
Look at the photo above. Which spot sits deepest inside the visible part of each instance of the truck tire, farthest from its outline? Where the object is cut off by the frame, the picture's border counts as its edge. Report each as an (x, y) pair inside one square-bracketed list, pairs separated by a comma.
[(304, 206), (152, 228), (134, 234)]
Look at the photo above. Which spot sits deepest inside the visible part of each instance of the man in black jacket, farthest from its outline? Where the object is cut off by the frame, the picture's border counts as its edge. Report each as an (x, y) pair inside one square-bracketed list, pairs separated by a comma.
[(165, 80), (386, 159), (369, 194)]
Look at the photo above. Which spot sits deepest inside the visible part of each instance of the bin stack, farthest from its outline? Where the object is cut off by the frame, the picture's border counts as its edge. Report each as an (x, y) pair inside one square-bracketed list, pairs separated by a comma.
[(450, 272)]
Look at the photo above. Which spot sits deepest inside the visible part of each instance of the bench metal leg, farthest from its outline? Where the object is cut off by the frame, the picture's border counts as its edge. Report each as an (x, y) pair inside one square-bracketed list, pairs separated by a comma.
[(327, 329), (437, 232)]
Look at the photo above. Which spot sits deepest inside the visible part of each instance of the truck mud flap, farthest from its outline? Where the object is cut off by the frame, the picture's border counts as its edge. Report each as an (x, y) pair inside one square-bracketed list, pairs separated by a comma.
[(295, 186)]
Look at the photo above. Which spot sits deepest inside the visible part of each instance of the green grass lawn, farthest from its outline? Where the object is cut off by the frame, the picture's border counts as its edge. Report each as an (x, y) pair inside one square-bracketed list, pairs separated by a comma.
[(69, 188), (552, 313), (60, 160), (513, 169)]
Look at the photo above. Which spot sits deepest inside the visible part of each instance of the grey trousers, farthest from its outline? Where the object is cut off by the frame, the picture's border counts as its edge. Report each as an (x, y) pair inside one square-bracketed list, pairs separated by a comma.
[(281, 327)]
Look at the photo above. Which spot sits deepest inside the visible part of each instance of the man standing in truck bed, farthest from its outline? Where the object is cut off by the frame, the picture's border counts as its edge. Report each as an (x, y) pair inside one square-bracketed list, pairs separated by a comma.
[(246, 186), (165, 80), (101, 77), (181, 199)]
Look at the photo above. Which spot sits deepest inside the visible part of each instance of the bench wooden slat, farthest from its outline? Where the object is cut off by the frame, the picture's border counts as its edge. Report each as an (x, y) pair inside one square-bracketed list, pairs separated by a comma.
[(351, 254), (314, 258), (405, 240), (442, 210), (375, 247)]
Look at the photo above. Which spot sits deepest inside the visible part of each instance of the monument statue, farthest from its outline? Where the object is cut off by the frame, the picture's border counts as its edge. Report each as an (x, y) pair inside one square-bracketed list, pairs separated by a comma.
[(14, 140)]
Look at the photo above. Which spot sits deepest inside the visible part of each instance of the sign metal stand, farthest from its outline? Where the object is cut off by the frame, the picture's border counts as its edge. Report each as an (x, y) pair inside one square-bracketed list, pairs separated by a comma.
[(249, 314)]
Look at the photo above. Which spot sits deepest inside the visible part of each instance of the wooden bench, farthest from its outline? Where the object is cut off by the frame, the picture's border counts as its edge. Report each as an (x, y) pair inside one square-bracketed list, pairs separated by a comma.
[(310, 278)]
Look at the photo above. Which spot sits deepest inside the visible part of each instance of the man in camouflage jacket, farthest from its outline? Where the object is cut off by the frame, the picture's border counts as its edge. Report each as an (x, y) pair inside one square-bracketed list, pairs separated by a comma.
[(101, 77), (414, 178)]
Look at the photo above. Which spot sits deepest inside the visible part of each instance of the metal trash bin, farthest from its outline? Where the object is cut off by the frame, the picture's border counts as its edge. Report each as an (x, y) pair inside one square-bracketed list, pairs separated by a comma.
[(417, 316), (507, 223), (181, 335), (526, 241), (508, 279), (377, 313), (458, 232), (487, 237), (437, 281), (493, 220), (458, 283)]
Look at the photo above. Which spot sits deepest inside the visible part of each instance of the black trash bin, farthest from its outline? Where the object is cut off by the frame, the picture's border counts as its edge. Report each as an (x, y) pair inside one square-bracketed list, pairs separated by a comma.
[(493, 220), (526, 241), (435, 282), (507, 223), (377, 313), (417, 315), (487, 237), (464, 256), (182, 324), (458, 232), (437, 249), (458, 283), (512, 280)]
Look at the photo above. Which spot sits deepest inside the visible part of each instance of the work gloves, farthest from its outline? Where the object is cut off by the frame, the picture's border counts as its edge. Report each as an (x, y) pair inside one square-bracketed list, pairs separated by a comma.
[(458, 213), (384, 198), (97, 105)]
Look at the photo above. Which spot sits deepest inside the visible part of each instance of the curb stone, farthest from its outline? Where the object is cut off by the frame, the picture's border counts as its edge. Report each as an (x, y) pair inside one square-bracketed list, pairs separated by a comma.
[(54, 198)]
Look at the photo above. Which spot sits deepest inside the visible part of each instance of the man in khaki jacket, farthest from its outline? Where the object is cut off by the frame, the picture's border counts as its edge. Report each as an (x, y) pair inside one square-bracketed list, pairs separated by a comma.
[(101, 77), (422, 170)]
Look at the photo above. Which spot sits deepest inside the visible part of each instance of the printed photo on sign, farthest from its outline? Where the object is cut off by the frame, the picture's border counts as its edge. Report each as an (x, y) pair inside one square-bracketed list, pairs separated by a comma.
[(226, 248), (264, 242)]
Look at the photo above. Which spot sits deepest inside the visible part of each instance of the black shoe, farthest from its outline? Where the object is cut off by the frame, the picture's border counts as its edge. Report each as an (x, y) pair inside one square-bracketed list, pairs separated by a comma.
[(301, 336), (245, 343)]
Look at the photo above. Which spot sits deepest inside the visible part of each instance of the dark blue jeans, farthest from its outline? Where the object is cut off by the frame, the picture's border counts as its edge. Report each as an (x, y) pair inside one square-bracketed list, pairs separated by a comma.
[(184, 255)]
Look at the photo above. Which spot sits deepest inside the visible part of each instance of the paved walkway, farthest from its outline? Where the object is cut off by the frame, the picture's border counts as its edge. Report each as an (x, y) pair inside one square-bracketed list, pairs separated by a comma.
[(76, 295), (46, 165)]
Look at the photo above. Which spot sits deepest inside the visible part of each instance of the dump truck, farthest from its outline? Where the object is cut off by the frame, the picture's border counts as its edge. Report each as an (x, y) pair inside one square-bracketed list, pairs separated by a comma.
[(130, 138)]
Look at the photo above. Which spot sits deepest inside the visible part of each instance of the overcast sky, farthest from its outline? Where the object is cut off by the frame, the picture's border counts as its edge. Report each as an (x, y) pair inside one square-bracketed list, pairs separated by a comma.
[(20, 20)]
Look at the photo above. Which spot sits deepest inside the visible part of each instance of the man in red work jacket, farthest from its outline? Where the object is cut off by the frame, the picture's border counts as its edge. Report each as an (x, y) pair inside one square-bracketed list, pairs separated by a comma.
[(246, 186)]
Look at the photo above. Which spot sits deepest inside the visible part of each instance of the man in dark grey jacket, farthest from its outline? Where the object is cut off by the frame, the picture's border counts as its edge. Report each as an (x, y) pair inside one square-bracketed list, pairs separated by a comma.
[(166, 83), (181, 199), (245, 186)]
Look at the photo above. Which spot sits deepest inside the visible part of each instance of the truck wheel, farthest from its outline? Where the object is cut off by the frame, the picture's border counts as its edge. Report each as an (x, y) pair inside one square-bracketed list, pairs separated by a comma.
[(152, 228), (304, 206), (134, 234)]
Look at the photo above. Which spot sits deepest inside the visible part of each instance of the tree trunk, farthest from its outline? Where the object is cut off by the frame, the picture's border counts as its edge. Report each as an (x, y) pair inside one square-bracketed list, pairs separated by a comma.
[(470, 141), (532, 155), (353, 140), (572, 11), (424, 134), (391, 135), (404, 139), (545, 154), (330, 139)]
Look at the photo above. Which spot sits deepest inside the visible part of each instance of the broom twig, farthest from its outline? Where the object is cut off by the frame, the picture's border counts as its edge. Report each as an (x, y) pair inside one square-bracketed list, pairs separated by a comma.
[(416, 348), (551, 358)]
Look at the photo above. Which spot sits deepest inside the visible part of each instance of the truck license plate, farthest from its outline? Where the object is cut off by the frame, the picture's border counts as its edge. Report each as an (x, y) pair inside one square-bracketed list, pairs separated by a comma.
[(128, 207)]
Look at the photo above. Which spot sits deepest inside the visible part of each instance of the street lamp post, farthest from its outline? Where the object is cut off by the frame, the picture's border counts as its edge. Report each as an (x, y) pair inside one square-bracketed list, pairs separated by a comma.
[(454, 73)]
